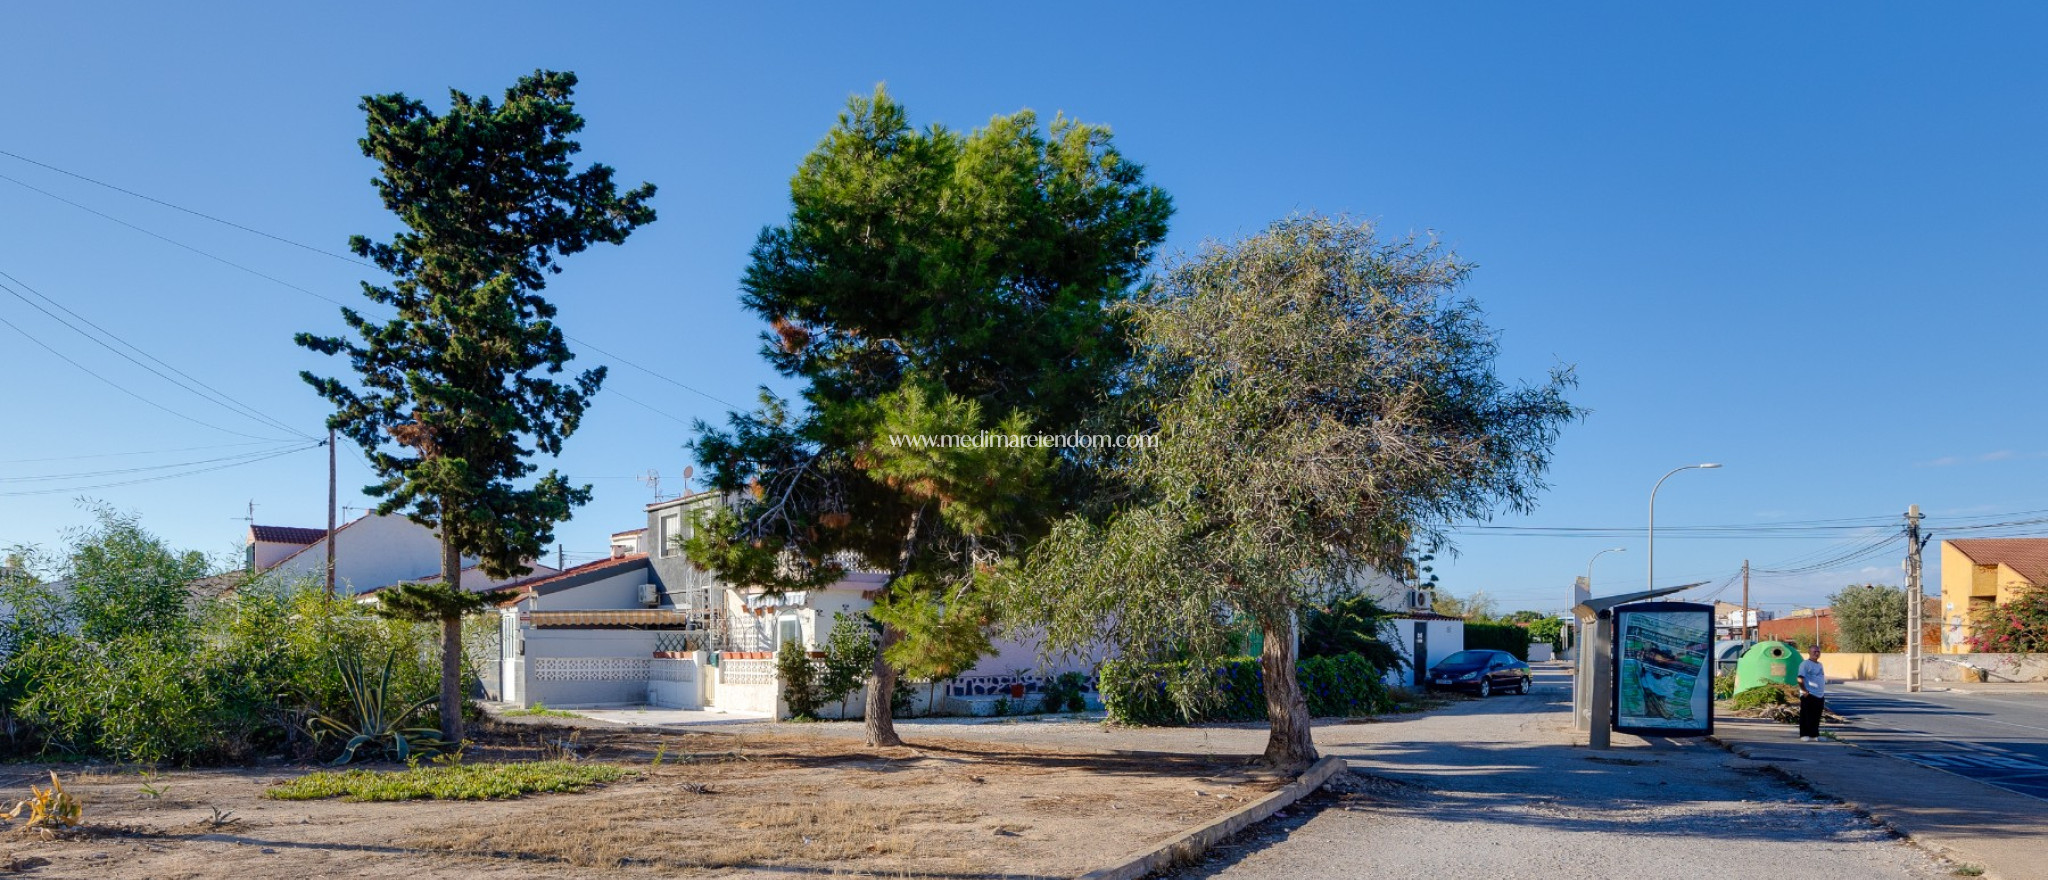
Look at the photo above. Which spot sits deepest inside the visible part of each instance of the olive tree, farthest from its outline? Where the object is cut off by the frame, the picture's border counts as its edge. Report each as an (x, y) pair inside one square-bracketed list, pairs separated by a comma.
[(1324, 402)]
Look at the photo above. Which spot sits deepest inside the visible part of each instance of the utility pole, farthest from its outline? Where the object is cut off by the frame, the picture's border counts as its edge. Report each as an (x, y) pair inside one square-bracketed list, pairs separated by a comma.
[(1745, 600), (330, 511), (1914, 601), (561, 563)]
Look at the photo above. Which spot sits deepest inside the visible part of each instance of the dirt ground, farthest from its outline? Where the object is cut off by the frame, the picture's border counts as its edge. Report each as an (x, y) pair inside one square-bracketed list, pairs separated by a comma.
[(717, 804)]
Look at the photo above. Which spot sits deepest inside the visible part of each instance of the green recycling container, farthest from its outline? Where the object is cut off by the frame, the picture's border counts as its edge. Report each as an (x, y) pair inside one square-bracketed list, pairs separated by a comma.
[(1767, 663)]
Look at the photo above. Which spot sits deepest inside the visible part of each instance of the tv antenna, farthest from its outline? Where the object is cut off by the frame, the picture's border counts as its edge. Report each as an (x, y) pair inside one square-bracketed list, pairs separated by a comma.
[(653, 480), (251, 518)]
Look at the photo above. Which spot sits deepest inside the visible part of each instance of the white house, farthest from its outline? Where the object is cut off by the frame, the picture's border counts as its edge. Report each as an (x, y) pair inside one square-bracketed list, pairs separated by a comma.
[(371, 552)]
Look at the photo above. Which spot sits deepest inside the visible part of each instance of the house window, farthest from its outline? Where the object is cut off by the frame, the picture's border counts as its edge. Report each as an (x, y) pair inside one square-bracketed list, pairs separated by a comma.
[(671, 529), (790, 629)]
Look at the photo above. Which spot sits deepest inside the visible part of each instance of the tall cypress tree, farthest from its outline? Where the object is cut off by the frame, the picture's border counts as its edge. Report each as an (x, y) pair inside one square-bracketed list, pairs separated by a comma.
[(454, 394), (926, 282)]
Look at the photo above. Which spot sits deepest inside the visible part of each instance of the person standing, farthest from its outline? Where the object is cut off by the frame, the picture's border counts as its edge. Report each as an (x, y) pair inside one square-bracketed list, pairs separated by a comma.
[(1813, 695)]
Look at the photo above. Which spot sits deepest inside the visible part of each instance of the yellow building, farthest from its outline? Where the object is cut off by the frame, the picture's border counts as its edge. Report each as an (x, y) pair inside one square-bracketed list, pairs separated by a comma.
[(1980, 572)]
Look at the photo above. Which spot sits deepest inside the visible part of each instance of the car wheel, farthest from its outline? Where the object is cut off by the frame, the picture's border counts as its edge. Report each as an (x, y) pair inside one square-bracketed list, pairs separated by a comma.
[(1485, 687), (1522, 688)]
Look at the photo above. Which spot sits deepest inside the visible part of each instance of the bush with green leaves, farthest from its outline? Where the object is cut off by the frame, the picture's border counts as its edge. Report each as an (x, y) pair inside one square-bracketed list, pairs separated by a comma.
[(127, 665), (1510, 637), (1764, 695), (2018, 625), (1066, 692), (799, 680), (1154, 693)]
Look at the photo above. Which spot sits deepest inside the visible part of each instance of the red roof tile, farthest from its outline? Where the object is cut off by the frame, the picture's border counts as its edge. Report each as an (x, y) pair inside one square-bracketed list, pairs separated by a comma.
[(2028, 556), (285, 534)]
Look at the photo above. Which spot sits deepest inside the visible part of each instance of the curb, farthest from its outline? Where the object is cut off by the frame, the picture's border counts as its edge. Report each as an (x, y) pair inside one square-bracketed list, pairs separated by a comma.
[(1186, 847)]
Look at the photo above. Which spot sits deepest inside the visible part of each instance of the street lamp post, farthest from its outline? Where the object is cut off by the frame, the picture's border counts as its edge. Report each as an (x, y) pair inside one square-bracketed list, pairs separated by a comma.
[(1596, 558), (1652, 549)]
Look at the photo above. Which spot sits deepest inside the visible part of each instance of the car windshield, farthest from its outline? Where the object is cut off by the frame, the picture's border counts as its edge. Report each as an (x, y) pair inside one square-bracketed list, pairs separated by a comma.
[(1464, 659)]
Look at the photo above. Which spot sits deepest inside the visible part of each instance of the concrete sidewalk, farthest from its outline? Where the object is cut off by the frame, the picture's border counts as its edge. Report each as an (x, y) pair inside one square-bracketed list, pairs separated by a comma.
[(1968, 821)]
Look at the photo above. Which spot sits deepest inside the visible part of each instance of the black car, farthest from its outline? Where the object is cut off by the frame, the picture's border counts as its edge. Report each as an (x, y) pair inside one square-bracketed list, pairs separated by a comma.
[(1481, 672)]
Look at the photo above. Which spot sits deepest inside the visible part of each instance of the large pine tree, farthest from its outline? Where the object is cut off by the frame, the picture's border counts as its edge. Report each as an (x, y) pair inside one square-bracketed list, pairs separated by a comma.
[(454, 394), (926, 282)]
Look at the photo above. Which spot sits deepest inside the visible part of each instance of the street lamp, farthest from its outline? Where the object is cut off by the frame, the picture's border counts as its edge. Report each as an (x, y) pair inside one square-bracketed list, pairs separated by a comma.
[(1596, 558), (1652, 550)]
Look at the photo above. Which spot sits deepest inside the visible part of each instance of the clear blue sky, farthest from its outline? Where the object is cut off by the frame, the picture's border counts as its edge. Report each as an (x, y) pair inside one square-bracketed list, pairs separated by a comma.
[(1803, 241)]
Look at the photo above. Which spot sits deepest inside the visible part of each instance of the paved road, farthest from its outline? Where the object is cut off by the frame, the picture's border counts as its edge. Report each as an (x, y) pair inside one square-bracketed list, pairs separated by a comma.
[(1496, 789), (1999, 740)]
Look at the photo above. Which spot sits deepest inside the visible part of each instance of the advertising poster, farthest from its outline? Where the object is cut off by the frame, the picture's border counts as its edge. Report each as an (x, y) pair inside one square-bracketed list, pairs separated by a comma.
[(1664, 674)]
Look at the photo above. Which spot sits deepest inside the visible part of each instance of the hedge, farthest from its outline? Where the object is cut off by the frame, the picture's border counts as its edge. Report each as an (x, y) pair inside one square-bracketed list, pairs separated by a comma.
[(1510, 637), (1143, 693)]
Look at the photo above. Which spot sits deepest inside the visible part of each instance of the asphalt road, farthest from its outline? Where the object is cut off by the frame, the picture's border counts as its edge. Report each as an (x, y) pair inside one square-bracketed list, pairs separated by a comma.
[(1496, 789), (1999, 740)]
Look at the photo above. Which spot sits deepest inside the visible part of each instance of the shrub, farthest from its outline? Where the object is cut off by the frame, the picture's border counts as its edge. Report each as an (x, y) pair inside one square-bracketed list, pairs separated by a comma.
[(1724, 686), (1765, 695), (2016, 626), (1175, 693), (1066, 692), (799, 680), (1510, 637)]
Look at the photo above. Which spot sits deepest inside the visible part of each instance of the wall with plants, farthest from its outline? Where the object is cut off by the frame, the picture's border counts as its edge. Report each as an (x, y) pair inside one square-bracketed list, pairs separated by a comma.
[(1510, 637)]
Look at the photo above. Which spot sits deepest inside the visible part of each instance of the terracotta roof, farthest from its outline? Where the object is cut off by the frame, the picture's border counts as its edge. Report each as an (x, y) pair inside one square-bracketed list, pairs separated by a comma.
[(2028, 556), (639, 531), (577, 571), (285, 534)]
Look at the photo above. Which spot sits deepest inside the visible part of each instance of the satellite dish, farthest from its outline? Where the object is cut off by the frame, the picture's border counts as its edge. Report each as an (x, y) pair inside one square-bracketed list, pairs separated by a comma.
[(688, 472)]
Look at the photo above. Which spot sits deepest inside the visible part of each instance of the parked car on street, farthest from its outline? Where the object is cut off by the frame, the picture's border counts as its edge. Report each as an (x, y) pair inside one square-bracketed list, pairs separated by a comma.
[(1481, 672)]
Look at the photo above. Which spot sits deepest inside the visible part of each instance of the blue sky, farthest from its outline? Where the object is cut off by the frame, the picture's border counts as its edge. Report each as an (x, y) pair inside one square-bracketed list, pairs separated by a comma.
[(1803, 241)]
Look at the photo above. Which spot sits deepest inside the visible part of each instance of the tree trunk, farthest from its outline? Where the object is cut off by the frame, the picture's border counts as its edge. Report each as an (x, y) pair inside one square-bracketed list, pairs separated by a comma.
[(881, 718), (1292, 743), (451, 647), (881, 712)]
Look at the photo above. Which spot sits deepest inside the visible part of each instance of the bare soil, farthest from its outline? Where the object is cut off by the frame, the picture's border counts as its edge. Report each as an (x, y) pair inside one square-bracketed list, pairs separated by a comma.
[(716, 804)]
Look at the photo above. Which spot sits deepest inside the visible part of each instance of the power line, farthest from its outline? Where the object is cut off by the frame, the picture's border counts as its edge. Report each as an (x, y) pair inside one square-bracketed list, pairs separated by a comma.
[(218, 397), (204, 216), (141, 452), (140, 469), (161, 477), (126, 390), (287, 284)]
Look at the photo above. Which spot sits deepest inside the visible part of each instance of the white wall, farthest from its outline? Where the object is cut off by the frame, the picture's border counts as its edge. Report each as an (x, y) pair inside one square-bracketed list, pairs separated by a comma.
[(372, 552)]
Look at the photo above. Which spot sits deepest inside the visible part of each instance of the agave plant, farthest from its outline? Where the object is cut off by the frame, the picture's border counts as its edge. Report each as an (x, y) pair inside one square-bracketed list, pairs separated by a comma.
[(379, 721)]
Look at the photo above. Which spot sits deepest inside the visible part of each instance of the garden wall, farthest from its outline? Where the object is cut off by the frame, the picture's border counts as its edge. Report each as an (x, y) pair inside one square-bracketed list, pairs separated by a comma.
[(1937, 667)]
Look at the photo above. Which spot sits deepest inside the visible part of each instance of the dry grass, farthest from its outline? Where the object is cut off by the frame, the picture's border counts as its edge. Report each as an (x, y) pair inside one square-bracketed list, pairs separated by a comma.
[(715, 805)]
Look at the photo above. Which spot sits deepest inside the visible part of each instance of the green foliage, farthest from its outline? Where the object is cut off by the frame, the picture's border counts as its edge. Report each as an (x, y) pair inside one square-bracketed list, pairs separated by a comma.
[(377, 716), (942, 636), (123, 580), (1870, 619), (453, 394), (1066, 692), (1324, 402), (931, 282), (538, 710), (209, 680), (458, 782), (1547, 628), (849, 659), (799, 680), (434, 602), (2018, 625), (1724, 687), (1349, 625), (1498, 637), (1761, 696), (1161, 693)]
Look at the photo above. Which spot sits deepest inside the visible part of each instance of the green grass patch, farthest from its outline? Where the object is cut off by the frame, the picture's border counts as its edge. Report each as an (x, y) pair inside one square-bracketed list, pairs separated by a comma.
[(539, 710), (454, 782)]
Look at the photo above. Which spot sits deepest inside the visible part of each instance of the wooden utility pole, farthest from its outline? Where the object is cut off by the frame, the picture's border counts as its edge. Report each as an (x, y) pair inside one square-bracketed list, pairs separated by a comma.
[(1914, 599), (1745, 600), (330, 512)]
